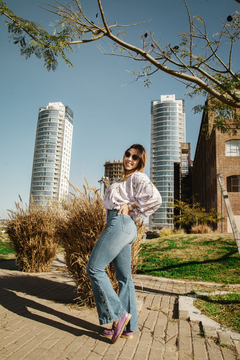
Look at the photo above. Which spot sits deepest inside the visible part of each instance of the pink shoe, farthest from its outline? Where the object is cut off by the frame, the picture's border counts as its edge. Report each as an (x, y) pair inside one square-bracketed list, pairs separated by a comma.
[(125, 334), (122, 322)]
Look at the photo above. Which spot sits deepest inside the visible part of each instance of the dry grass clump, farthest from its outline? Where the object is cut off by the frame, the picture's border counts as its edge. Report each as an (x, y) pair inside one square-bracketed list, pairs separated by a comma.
[(141, 228), (179, 231), (168, 231), (79, 232), (37, 233), (201, 229), (165, 232), (32, 232)]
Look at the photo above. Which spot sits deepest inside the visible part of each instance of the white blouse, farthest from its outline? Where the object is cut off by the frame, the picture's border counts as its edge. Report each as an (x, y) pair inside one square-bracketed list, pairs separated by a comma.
[(138, 189)]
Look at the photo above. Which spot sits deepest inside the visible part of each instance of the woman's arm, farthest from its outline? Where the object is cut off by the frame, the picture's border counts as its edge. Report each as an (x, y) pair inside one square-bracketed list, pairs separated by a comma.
[(147, 198), (145, 195)]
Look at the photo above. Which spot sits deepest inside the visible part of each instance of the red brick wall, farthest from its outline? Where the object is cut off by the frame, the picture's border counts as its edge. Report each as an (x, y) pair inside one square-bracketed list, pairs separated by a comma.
[(209, 161), (227, 166)]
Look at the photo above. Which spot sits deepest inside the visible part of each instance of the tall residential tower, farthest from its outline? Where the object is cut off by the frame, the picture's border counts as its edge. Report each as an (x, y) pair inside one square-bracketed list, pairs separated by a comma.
[(167, 134), (52, 153)]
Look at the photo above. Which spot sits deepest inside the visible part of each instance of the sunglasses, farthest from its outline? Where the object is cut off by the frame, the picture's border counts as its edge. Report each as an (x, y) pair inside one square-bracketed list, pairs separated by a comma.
[(134, 157)]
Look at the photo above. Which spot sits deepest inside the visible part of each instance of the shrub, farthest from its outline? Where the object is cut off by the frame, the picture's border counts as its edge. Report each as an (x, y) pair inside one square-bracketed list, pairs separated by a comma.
[(32, 232), (165, 232), (179, 231), (79, 232), (201, 229), (152, 234), (168, 231), (190, 215)]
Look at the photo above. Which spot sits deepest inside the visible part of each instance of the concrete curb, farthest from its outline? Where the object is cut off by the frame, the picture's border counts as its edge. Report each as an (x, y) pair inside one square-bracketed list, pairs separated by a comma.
[(187, 311), (211, 328)]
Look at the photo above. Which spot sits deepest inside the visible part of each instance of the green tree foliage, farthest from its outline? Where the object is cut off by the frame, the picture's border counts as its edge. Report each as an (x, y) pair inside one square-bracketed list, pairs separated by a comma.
[(32, 38), (195, 60), (195, 214)]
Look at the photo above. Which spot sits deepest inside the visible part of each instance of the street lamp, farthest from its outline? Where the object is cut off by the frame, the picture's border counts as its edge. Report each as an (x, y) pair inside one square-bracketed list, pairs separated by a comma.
[(102, 181)]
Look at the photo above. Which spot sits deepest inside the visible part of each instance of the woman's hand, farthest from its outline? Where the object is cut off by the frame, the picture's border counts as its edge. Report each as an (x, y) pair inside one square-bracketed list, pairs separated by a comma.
[(124, 209)]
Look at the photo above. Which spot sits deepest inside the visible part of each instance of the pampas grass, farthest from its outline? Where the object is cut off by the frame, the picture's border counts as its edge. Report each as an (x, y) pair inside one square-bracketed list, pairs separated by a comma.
[(79, 232), (141, 229), (37, 233), (32, 232)]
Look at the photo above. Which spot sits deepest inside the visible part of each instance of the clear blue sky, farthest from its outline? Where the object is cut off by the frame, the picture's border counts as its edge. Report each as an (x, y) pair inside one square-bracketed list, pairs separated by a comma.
[(108, 117)]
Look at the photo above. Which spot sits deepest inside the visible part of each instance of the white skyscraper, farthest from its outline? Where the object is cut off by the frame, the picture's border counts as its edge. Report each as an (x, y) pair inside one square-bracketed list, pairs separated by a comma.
[(167, 134), (52, 153)]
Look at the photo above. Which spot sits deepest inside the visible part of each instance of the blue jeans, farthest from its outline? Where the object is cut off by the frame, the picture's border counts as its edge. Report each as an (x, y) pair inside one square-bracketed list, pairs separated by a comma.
[(114, 245)]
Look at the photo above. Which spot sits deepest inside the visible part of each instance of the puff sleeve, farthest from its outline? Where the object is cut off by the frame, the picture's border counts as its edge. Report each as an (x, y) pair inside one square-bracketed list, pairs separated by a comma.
[(144, 194)]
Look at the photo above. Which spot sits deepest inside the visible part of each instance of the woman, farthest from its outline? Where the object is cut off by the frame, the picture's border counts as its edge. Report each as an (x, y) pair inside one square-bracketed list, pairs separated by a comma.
[(133, 195)]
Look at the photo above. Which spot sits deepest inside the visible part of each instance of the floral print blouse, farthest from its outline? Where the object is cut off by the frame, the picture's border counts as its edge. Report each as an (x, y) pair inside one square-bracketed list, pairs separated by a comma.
[(138, 189)]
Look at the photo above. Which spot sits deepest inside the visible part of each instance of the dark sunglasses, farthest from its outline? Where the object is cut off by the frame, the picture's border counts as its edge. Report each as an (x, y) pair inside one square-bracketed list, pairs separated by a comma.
[(134, 157)]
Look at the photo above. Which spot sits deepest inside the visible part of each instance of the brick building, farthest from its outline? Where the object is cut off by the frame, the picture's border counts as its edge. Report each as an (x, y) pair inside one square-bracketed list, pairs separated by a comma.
[(218, 153)]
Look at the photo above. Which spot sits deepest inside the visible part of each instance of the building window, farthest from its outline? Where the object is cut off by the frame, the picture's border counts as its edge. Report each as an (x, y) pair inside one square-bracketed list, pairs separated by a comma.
[(233, 183), (232, 148)]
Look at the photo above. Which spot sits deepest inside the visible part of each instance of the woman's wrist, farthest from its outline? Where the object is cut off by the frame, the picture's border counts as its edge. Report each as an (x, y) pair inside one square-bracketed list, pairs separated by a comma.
[(134, 205), (131, 206)]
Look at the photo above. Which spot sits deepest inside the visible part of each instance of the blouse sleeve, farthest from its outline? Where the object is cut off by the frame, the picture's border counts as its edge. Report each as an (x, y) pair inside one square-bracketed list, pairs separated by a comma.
[(145, 195)]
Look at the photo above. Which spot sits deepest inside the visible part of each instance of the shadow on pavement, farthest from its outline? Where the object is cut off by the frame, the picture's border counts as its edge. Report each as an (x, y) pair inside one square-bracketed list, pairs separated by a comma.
[(38, 286), (48, 290), (10, 264)]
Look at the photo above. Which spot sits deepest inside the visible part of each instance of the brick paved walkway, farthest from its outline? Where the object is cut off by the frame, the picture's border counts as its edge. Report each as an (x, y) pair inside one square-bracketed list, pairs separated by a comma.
[(38, 322)]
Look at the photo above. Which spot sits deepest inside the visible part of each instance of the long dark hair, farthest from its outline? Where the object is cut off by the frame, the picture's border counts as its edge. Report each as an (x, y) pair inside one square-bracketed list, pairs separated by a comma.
[(142, 163)]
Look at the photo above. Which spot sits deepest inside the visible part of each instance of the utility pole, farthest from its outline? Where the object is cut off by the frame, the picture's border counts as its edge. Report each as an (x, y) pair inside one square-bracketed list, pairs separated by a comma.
[(229, 211)]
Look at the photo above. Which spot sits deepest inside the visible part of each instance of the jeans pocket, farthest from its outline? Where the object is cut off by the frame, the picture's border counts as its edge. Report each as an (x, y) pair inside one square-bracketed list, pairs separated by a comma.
[(126, 223)]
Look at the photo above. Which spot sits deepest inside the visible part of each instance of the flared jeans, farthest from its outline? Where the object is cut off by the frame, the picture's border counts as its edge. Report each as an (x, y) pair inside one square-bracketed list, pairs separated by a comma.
[(114, 246)]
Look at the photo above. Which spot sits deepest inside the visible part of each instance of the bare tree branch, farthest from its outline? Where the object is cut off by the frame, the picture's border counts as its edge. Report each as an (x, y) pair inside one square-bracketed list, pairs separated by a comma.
[(204, 71)]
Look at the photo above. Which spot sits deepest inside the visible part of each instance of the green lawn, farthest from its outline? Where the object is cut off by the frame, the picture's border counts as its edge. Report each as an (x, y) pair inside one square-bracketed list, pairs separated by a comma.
[(224, 309), (6, 247), (211, 258), (6, 251)]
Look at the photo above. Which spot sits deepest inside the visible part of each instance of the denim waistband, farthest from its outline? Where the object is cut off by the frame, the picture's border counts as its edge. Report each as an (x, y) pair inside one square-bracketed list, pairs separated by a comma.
[(114, 212), (111, 214)]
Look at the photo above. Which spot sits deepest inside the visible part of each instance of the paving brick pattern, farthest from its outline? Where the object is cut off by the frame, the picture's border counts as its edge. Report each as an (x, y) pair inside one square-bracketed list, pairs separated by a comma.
[(39, 322)]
